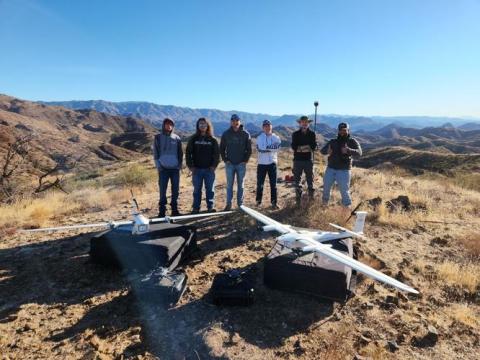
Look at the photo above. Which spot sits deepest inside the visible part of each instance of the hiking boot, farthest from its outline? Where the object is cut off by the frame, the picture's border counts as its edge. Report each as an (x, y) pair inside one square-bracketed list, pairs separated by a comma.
[(259, 203), (175, 212), (211, 210), (228, 207), (275, 206), (195, 211), (161, 214)]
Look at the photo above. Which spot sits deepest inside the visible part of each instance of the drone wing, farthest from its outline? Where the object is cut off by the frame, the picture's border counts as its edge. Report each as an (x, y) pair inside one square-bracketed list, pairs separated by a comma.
[(269, 223), (356, 265), (186, 217), (73, 227)]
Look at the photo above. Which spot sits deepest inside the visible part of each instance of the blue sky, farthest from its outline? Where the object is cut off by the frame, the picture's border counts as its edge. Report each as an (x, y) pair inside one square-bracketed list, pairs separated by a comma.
[(370, 57)]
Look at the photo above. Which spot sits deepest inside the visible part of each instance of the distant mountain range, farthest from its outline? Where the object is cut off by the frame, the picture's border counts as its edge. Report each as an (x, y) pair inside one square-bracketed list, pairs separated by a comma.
[(100, 137), (186, 117)]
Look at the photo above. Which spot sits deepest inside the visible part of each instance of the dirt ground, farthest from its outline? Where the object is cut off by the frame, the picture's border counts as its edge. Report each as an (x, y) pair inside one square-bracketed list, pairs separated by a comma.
[(55, 303)]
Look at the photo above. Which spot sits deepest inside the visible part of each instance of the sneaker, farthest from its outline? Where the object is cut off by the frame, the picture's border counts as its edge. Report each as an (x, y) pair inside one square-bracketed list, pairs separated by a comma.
[(211, 210), (228, 207), (175, 212), (195, 211), (275, 206)]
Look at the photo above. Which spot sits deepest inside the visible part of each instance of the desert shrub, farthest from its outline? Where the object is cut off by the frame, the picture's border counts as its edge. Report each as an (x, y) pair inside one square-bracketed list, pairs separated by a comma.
[(133, 175), (471, 241)]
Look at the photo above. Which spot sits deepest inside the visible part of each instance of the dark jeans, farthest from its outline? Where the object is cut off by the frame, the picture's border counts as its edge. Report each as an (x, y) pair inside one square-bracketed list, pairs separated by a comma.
[(165, 175), (299, 167), (262, 171), (199, 177)]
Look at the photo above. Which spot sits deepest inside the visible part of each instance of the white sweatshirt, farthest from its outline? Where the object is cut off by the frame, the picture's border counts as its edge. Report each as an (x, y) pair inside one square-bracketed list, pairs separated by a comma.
[(267, 146)]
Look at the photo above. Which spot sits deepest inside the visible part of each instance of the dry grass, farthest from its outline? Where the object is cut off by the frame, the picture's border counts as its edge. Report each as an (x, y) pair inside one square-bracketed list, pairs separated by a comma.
[(467, 276), (39, 212), (439, 197), (471, 241), (465, 314)]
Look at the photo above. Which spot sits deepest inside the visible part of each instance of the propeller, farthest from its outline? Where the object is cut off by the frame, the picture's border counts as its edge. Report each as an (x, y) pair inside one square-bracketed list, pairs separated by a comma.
[(354, 211)]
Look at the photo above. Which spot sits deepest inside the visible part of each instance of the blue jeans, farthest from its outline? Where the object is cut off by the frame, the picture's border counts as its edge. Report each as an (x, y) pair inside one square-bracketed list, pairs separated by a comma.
[(342, 177), (165, 175), (239, 170), (199, 177), (262, 171)]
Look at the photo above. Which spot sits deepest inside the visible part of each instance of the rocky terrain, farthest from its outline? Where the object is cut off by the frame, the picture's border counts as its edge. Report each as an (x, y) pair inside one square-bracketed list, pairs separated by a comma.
[(56, 304), (94, 138)]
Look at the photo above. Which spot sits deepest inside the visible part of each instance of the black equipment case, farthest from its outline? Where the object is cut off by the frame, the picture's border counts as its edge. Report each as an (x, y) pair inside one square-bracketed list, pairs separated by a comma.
[(311, 273), (161, 286), (165, 245), (234, 287)]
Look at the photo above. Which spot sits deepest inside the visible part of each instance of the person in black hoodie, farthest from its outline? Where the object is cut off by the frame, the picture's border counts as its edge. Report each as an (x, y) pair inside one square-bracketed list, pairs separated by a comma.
[(340, 152), (303, 145), (203, 156)]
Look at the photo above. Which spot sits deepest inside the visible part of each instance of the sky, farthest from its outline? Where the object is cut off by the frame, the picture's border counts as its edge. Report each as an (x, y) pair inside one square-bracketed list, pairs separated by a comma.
[(357, 57)]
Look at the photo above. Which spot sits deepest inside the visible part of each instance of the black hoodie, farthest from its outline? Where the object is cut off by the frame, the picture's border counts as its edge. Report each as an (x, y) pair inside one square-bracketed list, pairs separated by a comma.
[(202, 152)]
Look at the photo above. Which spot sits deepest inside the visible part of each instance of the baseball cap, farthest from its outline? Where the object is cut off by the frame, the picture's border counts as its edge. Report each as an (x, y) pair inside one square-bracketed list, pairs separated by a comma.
[(235, 117), (266, 122), (343, 125)]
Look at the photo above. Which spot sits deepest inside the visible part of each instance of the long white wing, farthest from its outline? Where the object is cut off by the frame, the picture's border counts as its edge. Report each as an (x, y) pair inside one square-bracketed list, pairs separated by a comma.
[(71, 227), (270, 223), (186, 217), (360, 267)]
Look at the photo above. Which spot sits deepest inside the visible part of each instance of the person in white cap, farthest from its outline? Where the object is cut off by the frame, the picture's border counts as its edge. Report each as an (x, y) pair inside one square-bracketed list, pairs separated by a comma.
[(268, 145)]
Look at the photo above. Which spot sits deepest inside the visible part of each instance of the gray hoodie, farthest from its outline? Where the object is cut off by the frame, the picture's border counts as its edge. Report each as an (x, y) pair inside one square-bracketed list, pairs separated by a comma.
[(167, 151), (236, 146)]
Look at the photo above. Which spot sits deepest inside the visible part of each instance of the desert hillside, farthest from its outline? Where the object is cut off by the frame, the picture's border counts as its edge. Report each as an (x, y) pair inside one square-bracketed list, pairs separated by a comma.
[(55, 132), (56, 304)]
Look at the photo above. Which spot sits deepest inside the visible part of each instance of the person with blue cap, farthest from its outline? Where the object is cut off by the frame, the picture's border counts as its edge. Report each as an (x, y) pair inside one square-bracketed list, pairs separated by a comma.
[(268, 145), (340, 152)]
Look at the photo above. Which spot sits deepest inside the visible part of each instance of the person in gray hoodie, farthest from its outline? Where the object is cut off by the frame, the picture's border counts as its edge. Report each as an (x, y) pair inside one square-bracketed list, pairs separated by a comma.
[(168, 157), (235, 150)]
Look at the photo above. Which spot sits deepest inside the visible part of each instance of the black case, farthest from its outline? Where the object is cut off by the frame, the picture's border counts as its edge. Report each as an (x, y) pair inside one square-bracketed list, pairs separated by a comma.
[(165, 245), (161, 286), (311, 273), (234, 287)]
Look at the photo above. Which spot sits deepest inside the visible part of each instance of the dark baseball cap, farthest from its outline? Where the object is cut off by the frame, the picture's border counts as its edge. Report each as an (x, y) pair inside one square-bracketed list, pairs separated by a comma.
[(235, 117), (266, 122), (343, 125)]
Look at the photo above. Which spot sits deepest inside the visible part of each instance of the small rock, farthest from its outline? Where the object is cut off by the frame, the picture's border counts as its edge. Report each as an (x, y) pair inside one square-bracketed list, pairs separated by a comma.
[(438, 241), (400, 203), (428, 340), (392, 346), (367, 305), (391, 299)]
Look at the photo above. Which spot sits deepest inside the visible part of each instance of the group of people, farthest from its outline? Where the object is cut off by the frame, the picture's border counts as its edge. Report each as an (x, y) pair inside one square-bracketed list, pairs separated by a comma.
[(203, 154)]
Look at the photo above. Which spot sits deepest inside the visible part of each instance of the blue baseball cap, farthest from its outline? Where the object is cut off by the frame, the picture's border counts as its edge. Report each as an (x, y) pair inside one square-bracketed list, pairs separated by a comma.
[(235, 117), (266, 122)]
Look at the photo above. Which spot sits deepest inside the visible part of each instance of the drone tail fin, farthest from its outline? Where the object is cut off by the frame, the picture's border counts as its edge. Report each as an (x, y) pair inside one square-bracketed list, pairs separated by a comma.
[(360, 221)]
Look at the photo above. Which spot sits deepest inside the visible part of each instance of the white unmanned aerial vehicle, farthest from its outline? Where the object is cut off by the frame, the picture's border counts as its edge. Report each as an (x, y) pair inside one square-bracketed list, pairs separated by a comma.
[(139, 225), (311, 240)]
